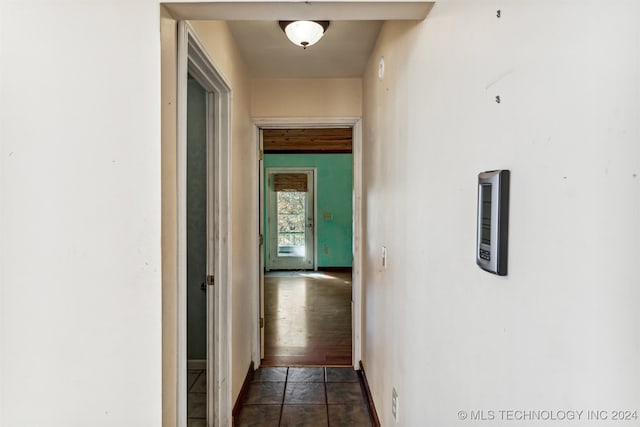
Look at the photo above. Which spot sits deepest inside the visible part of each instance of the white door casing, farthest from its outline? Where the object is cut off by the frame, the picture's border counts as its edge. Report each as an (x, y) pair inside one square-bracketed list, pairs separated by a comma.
[(357, 280)]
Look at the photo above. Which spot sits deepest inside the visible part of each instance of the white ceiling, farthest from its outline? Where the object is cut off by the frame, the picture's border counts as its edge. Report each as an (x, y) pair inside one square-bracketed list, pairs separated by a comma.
[(342, 52), (299, 9)]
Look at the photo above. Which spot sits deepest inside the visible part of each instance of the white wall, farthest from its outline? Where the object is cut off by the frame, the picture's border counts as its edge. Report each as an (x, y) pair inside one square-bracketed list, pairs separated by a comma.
[(80, 296), (562, 330)]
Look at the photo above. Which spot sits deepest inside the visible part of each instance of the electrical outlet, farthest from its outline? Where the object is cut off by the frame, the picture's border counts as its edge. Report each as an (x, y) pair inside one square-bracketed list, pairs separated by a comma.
[(394, 405)]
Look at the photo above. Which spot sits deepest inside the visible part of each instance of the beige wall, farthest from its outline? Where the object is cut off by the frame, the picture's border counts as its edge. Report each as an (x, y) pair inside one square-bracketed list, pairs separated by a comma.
[(306, 97), (169, 54), (561, 331), (220, 46)]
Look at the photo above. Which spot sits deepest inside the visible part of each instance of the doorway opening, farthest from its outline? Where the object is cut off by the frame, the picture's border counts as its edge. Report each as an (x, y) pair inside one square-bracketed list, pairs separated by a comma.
[(203, 138), (310, 312), (197, 251)]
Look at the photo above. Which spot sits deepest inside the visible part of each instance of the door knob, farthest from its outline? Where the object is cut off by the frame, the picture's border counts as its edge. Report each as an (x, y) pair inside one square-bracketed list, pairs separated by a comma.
[(210, 282)]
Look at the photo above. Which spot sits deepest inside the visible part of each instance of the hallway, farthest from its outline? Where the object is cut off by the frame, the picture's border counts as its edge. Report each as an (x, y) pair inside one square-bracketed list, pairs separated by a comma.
[(307, 319)]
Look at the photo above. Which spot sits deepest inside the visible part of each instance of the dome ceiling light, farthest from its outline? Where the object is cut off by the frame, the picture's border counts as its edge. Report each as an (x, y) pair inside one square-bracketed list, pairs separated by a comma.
[(304, 33)]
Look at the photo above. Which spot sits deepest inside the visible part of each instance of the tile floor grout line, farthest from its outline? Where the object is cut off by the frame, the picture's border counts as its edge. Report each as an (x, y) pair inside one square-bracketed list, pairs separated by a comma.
[(326, 394), (284, 393)]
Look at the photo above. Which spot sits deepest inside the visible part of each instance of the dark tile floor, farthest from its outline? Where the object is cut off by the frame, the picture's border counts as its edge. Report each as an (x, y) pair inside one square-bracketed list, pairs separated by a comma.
[(196, 398), (304, 397)]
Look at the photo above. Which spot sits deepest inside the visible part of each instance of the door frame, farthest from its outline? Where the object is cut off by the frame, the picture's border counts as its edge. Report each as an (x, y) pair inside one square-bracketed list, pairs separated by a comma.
[(193, 59), (314, 173), (357, 279)]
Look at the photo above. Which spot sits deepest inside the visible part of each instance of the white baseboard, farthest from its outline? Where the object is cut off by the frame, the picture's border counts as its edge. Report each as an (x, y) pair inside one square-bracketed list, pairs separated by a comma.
[(197, 364)]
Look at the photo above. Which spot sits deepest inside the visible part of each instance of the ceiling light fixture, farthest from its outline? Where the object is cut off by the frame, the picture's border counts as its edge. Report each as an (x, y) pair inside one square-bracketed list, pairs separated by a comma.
[(304, 33)]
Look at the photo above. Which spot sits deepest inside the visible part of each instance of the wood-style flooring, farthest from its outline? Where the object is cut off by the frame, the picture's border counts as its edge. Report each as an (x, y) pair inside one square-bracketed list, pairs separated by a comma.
[(307, 319)]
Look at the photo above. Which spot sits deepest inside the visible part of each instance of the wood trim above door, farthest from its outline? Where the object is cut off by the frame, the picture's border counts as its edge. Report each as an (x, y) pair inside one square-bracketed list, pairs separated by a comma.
[(313, 140)]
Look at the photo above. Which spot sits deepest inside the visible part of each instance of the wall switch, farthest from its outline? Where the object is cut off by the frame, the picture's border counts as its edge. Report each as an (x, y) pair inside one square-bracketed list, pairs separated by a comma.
[(394, 405), (384, 257)]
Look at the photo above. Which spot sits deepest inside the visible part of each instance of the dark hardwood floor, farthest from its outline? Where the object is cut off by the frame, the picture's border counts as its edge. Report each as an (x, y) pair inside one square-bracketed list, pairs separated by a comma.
[(307, 319)]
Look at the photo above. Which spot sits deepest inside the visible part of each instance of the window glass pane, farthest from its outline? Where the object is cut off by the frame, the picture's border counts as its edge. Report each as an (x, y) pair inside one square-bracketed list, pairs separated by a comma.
[(291, 223)]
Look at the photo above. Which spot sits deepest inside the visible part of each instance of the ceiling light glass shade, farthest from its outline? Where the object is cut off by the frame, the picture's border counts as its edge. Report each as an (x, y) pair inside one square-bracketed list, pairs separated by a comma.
[(304, 33)]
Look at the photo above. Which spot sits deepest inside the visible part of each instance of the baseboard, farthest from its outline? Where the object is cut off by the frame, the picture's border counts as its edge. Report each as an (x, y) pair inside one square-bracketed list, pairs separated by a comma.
[(197, 364), (372, 408), (243, 393)]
